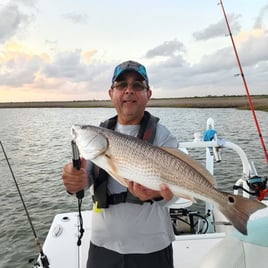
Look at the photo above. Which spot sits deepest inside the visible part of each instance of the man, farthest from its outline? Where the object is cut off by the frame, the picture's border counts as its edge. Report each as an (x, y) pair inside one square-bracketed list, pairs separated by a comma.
[(131, 227)]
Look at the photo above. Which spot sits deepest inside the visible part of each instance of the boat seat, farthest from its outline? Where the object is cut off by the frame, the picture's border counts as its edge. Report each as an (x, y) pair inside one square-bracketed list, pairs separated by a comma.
[(181, 203), (242, 251)]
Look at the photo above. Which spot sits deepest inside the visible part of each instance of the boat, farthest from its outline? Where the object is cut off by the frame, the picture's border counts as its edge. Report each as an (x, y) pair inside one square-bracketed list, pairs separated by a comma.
[(203, 239)]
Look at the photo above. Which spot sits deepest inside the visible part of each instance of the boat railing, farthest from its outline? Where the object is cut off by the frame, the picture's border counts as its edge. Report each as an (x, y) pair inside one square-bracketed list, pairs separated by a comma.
[(212, 155), (250, 183)]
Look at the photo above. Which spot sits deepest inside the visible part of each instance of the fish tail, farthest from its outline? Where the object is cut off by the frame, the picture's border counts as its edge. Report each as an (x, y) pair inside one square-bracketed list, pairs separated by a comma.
[(239, 209)]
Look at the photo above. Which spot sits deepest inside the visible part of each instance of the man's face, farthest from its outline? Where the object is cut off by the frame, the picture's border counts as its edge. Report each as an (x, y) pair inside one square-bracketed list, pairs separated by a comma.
[(129, 96)]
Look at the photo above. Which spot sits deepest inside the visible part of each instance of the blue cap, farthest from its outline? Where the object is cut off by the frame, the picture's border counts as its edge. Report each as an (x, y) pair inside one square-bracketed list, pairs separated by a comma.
[(130, 66)]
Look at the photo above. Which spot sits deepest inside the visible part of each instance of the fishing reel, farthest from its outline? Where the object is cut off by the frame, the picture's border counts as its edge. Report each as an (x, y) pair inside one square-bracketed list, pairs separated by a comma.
[(185, 221), (257, 186)]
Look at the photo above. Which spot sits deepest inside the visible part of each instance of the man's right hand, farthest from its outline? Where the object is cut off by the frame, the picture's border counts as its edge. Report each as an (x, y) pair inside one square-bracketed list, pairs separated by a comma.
[(75, 180)]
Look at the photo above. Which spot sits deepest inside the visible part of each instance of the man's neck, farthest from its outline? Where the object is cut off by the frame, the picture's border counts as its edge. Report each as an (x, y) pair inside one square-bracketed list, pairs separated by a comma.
[(129, 120)]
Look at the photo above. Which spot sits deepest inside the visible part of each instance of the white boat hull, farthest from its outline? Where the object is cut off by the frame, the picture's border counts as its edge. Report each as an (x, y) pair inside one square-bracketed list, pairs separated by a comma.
[(190, 250), (62, 251)]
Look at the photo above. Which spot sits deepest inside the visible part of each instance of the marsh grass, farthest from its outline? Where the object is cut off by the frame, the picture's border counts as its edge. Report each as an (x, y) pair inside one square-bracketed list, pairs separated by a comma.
[(260, 102)]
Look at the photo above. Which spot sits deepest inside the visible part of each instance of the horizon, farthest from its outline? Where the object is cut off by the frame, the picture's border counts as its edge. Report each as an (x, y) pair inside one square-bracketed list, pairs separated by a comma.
[(161, 98)]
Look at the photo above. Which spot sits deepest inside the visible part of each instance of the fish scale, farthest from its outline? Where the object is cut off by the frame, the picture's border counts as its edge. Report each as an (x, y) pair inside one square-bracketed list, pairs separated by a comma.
[(151, 167)]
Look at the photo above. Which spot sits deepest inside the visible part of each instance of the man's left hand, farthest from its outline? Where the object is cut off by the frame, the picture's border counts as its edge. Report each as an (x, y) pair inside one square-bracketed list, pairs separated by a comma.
[(144, 193)]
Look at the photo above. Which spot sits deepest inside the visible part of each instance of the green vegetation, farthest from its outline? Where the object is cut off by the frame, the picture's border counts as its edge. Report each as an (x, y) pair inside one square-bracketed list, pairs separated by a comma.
[(260, 102)]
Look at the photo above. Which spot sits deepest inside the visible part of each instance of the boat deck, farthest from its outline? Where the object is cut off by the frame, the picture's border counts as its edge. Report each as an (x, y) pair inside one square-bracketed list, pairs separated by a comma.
[(62, 241)]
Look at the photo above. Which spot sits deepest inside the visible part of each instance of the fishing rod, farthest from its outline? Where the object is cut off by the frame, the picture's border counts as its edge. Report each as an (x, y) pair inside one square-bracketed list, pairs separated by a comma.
[(80, 194), (245, 84), (43, 257)]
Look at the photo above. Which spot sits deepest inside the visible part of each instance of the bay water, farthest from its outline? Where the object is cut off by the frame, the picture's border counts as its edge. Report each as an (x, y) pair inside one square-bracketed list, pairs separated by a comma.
[(38, 144)]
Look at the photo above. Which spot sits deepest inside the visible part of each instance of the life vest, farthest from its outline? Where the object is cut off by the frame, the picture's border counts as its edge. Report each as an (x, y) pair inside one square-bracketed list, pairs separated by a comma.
[(101, 198)]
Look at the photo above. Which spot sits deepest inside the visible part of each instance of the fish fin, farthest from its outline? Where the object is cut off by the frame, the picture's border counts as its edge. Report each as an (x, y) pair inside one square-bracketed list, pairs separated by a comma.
[(113, 170), (108, 164), (191, 162), (239, 209), (186, 197)]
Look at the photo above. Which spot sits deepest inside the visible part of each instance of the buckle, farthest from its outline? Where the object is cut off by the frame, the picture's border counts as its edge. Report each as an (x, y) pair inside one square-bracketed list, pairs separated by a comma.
[(117, 198)]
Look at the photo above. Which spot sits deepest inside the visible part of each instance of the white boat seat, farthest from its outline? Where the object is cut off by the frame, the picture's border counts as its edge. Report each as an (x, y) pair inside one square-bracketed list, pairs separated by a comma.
[(181, 203), (242, 251)]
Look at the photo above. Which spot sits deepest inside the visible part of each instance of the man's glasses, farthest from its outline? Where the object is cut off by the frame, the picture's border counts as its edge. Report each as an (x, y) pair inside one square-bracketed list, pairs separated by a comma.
[(123, 85)]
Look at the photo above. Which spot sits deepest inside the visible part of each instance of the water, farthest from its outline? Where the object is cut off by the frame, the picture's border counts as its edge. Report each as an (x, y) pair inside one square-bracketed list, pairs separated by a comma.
[(37, 142)]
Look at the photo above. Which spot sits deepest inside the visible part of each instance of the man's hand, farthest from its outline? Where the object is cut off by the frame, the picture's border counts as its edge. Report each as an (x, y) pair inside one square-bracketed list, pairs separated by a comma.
[(144, 193), (74, 180)]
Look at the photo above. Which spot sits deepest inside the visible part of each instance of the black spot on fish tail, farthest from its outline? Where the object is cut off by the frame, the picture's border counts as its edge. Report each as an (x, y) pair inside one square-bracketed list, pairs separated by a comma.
[(238, 210)]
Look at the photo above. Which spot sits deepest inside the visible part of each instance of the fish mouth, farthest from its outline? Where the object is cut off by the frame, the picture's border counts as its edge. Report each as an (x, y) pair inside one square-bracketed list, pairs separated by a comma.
[(74, 132)]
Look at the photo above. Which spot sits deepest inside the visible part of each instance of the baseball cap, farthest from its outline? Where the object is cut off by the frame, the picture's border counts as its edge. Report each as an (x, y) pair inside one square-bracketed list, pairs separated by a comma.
[(130, 66)]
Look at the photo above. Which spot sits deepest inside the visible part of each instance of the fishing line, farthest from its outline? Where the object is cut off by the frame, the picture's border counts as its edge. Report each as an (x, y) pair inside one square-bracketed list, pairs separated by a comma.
[(245, 84), (43, 257)]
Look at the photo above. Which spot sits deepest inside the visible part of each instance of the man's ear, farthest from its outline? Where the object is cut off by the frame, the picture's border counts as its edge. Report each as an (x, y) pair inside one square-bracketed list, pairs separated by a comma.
[(110, 92), (149, 93)]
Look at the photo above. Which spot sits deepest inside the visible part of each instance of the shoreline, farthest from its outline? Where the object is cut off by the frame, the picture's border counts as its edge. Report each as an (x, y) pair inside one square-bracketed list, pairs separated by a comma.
[(260, 102)]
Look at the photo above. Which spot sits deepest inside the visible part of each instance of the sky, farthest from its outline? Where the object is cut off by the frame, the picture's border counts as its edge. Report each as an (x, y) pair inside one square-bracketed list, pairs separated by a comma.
[(64, 50)]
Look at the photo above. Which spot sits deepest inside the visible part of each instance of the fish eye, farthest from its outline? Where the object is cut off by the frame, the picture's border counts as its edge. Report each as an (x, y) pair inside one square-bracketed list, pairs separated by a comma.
[(231, 199)]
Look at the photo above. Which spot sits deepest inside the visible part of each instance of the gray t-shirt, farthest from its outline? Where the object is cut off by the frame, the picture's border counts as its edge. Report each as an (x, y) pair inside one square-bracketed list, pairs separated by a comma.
[(133, 228)]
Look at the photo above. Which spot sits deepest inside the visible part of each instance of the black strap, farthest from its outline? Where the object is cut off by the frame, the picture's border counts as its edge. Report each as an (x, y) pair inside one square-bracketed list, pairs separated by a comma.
[(115, 199), (124, 197)]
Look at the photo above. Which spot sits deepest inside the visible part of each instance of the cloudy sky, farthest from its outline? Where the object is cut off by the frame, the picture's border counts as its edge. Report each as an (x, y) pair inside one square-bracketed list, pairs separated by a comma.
[(67, 50)]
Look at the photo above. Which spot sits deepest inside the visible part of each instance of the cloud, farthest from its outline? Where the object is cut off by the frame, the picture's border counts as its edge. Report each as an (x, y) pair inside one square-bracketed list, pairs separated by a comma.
[(19, 69), (168, 48), (215, 73), (218, 29), (12, 21), (67, 76), (174, 71), (88, 56), (69, 71), (70, 65), (254, 49), (259, 23), (76, 18), (27, 3)]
